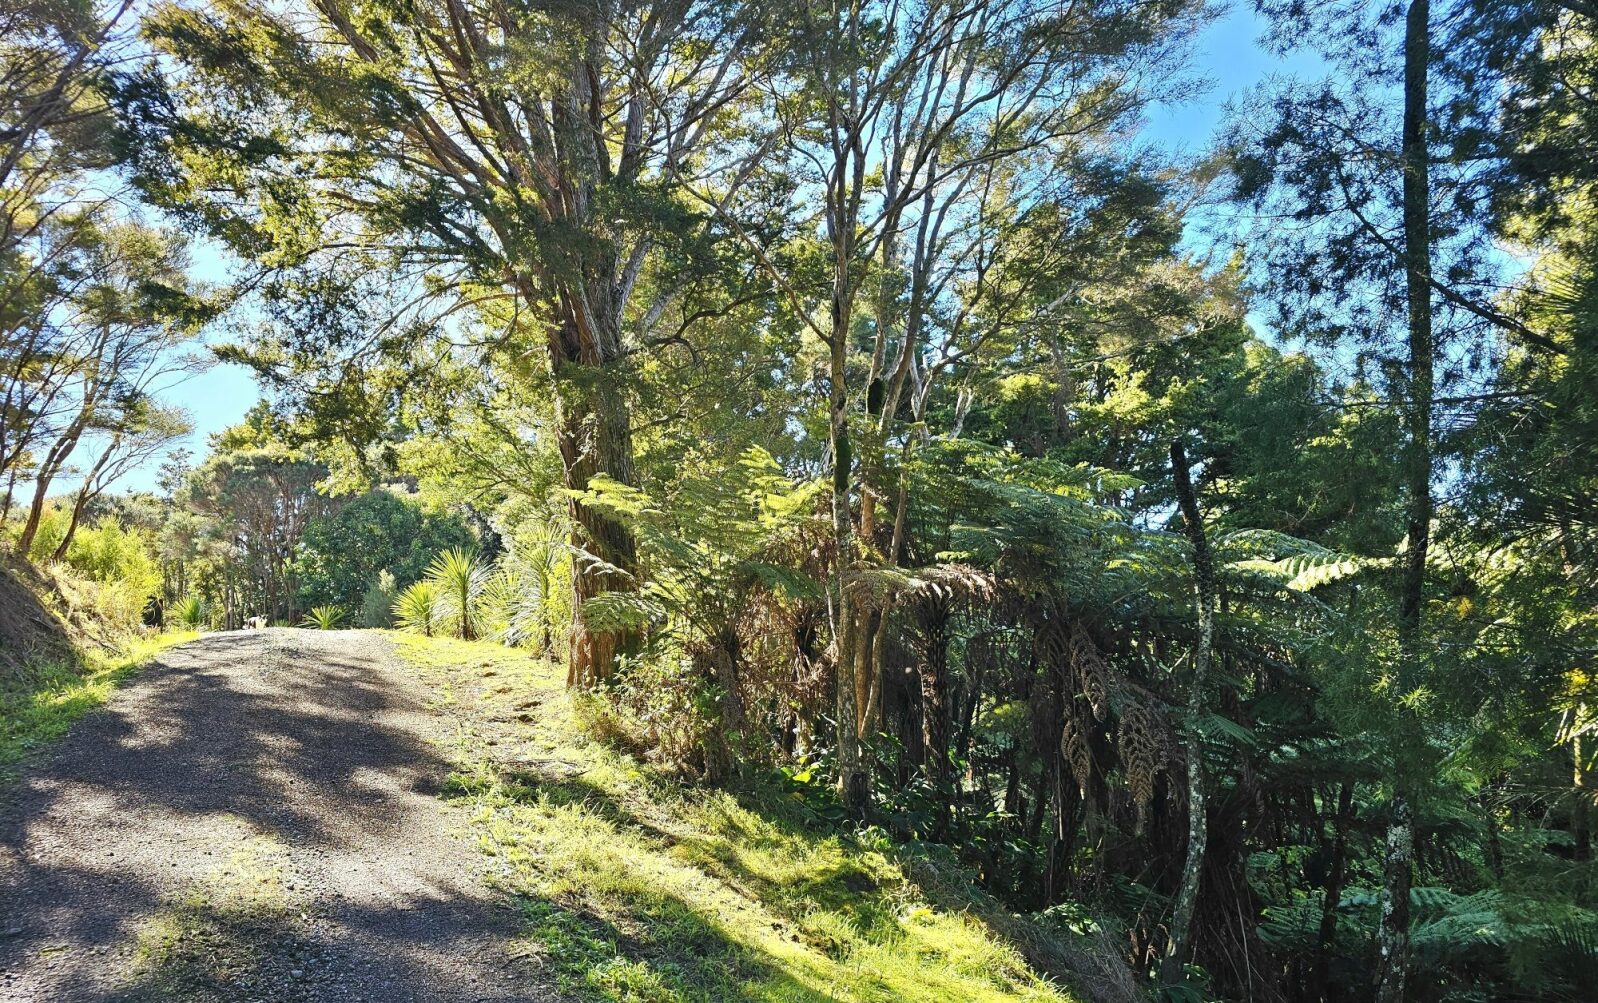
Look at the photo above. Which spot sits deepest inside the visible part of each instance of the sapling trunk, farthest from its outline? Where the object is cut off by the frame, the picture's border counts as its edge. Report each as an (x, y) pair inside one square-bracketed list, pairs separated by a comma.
[(1398, 866), (1197, 818)]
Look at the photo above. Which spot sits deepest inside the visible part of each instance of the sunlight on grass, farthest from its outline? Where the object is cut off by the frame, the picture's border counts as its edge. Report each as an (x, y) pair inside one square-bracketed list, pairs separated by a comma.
[(46, 698), (638, 889)]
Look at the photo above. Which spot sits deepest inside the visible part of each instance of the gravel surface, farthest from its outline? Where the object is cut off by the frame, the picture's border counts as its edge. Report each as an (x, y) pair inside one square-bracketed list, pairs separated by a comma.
[(253, 818)]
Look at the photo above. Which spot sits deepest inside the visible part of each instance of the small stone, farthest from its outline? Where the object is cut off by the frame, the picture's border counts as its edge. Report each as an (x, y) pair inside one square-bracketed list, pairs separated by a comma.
[(296, 973)]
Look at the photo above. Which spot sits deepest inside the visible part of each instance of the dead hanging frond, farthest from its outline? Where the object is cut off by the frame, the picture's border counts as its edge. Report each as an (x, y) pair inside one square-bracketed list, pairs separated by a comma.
[(1142, 748), (1092, 670), (883, 587), (1074, 748), (1053, 642)]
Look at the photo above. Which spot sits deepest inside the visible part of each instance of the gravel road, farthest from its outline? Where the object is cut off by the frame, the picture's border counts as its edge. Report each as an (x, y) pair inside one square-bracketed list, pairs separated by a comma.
[(252, 818)]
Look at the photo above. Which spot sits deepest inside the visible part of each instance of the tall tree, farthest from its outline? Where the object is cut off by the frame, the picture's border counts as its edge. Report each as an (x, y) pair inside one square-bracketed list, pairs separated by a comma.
[(491, 153), (899, 117), (1197, 706), (1369, 195)]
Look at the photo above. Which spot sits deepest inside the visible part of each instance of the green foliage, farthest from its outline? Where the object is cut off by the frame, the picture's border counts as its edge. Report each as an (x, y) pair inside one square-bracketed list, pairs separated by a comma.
[(112, 553), (920, 433), (419, 609), (377, 602), (525, 602), (460, 582), (324, 618), (258, 496), (190, 613), (342, 554)]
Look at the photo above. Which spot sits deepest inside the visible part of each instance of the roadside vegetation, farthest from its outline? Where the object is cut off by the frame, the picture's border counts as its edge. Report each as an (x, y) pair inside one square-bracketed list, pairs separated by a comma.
[(1198, 551), (637, 887), (42, 697)]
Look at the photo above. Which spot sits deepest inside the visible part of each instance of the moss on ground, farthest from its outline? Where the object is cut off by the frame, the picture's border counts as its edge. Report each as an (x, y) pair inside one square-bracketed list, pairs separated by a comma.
[(216, 940), (637, 888)]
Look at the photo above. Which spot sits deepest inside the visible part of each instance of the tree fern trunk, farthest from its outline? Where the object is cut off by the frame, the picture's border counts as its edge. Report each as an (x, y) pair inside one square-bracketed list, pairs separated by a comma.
[(1327, 937), (934, 699)]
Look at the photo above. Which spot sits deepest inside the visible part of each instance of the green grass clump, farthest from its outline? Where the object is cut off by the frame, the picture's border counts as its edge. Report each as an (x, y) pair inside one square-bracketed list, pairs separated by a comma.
[(638, 889), (44, 699)]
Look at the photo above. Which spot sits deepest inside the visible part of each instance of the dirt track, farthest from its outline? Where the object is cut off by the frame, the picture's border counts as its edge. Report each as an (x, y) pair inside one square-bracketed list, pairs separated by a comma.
[(252, 818)]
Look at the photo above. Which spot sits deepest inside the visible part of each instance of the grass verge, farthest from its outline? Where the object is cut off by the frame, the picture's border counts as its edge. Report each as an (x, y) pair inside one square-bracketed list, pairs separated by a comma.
[(638, 889), (39, 703)]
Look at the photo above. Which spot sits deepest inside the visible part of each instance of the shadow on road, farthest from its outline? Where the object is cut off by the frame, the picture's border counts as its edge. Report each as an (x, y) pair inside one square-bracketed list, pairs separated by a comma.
[(306, 753)]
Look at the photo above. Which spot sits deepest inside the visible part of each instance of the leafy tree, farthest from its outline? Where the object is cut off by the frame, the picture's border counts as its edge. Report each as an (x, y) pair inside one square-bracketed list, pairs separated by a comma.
[(260, 501), (534, 154), (339, 556), (953, 101)]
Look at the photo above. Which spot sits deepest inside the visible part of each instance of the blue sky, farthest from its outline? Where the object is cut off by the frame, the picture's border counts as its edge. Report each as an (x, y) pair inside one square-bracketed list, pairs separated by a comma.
[(1228, 53)]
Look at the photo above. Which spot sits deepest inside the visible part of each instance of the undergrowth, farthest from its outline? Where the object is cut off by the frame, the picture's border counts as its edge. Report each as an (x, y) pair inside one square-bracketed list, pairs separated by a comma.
[(637, 888)]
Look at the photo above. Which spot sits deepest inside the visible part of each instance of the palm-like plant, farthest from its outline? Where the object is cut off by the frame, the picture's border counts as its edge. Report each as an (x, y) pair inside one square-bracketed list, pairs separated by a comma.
[(461, 580), (324, 618), (417, 609), (189, 612), (522, 600)]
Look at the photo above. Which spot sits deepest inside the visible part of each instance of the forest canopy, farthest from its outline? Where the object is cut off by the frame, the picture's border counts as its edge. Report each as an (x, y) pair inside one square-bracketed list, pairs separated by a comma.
[(1199, 546)]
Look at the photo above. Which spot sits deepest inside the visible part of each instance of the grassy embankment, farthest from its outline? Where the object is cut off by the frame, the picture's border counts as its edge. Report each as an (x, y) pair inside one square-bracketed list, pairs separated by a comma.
[(639, 889), (41, 699)]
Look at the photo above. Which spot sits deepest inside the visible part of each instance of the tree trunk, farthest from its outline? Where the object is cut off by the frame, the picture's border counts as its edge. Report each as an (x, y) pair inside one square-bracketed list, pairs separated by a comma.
[(48, 469), (1581, 810), (1393, 937), (78, 505), (11, 487), (1326, 939), (85, 493), (594, 433), (852, 780), (1197, 818)]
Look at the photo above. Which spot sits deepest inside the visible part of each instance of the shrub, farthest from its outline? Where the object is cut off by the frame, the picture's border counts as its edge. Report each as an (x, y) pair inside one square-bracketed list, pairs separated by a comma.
[(324, 618), (461, 581), (105, 613), (52, 527), (190, 613), (417, 609), (378, 602), (110, 553)]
